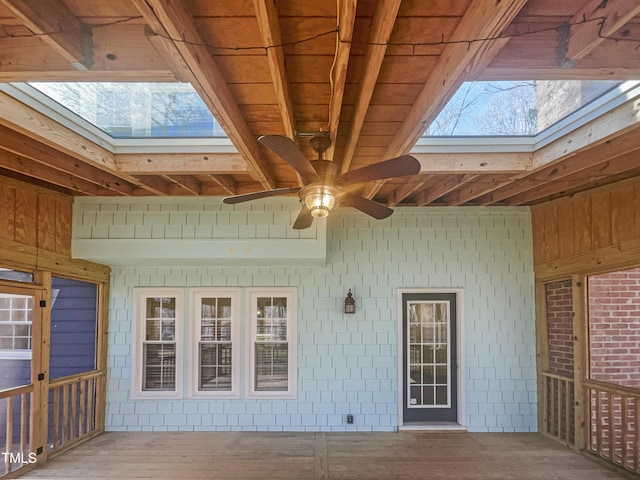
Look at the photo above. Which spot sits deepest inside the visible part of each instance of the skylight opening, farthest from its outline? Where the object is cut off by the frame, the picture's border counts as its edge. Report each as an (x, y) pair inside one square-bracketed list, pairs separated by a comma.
[(136, 110), (513, 108)]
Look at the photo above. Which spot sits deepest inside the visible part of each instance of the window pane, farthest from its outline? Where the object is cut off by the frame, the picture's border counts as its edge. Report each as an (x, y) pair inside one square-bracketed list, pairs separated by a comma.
[(224, 308), (153, 330), (160, 370), (280, 330), (271, 366), (224, 333), (16, 276), (208, 307), (215, 367)]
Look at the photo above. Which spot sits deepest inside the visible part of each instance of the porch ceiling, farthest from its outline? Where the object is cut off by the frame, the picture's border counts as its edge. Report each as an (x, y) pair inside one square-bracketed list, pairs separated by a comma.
[(265, 67)]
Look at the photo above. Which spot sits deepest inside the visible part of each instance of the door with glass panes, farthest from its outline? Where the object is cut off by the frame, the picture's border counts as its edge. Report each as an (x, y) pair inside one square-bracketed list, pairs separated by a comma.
[(429, 371)]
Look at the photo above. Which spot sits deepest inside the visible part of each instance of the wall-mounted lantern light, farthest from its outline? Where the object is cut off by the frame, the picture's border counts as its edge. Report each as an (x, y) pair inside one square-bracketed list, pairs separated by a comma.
[(349, 303)]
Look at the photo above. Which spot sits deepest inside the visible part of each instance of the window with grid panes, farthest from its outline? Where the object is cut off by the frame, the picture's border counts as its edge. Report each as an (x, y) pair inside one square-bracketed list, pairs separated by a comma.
[(215, 362), (157, 347), (16, 320), (272, 365)]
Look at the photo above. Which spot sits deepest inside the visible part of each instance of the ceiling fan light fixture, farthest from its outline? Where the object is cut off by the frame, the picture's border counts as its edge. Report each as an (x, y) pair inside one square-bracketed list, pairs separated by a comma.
[(319, 199)]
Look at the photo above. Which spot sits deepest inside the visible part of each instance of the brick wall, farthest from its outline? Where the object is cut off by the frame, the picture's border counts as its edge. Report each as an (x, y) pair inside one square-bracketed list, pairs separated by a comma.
[(614, 327), (559, 302), (347, 363)]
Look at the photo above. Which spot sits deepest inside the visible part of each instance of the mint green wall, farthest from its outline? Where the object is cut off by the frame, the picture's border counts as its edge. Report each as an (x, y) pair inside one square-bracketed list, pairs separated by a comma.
[(346, 363)]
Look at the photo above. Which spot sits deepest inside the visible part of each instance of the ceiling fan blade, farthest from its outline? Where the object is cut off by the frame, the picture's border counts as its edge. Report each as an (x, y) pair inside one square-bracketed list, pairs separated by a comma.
[(394, 167), (256, 195), (290, 153), (304, 219), (370, 207)]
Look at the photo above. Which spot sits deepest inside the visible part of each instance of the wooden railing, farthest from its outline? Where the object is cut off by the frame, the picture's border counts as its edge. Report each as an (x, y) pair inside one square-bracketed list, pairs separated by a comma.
[(73, 410), (558, 418), (16, 402), (614, 432)]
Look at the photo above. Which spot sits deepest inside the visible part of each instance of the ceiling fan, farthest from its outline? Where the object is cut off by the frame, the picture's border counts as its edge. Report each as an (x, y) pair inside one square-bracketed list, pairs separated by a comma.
[(325, 190)]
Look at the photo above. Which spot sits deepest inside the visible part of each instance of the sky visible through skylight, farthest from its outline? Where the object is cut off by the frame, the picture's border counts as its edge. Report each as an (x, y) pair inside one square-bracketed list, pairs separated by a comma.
[(175, 110), (136, 110), (513, 108)]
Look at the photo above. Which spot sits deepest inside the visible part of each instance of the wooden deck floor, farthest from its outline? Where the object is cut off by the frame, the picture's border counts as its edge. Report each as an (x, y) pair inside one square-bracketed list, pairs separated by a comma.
[(330, 456)]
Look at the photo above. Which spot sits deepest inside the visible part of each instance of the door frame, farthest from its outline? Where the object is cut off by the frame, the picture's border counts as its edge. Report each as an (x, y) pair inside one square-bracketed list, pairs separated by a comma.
[(39, 355), (459, 293)]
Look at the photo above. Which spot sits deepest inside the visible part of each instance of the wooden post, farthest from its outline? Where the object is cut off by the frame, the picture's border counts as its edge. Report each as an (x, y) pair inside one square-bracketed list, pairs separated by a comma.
[(542, 352), (580, 358), (101, 355)]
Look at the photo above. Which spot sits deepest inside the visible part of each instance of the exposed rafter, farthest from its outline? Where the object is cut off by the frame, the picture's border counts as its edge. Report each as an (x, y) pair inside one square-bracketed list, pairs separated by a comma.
[(226, 182), (383, 22), (481, 20), (29, 168), (406, 190), (432, 193), (472, 190), (57, 26), (268, 21), (172, 22), (593, 23), (346, 23)]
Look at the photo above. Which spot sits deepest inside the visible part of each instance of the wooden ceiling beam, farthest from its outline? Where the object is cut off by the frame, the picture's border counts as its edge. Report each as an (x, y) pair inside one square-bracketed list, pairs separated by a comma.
[(383, 22), (269, 24), (33, 124), (181, 163), (470, 191), (593, 23), (598, 141), (179, 37), (153, 183), (568, 166), (346, 25), (459, 60), (482, 20), (59, 143), (48, 157), (474, 162), (58, 27), (430, 195), (406, 190), (227, 183), (609, 168), (29, 168), (185, 182)]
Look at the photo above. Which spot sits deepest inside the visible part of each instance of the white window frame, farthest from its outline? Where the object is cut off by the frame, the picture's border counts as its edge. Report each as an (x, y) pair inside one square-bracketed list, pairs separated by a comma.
[(195, 299), (252, 295), (138, 338)]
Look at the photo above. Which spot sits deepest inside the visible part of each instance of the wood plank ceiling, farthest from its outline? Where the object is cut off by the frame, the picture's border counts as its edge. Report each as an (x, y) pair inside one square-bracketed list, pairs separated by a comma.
[(372, 73)]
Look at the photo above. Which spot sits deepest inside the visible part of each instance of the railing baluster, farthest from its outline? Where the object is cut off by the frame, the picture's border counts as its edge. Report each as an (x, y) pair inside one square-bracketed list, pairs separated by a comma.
[(23, 422), (90, 396), (83, 411), (9, 433), (65, 414), (545, 405), (567, 412), (56, 417), (625, 421), (559, 408), (74, 410)]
